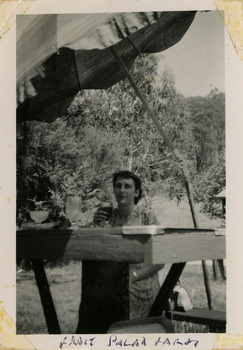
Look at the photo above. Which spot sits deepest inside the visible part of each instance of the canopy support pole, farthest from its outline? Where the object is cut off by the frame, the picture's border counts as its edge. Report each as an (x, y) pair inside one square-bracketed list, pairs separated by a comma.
[(163, 133), (177, 156)]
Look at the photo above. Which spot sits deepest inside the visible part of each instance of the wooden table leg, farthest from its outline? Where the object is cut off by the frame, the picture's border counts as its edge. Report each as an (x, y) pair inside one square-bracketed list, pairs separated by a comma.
[(46, 297), (166, 289)]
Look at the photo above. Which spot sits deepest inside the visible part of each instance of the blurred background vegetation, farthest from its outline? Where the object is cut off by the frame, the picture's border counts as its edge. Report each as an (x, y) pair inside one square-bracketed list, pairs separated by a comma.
[(109, 130)]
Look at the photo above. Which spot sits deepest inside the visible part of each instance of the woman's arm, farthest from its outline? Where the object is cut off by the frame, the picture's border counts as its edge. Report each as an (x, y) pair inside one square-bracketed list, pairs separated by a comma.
[(145, 272), (147, 218)]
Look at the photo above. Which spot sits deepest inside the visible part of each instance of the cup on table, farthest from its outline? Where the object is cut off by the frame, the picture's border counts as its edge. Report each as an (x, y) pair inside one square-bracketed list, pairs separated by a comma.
[(74, 210)]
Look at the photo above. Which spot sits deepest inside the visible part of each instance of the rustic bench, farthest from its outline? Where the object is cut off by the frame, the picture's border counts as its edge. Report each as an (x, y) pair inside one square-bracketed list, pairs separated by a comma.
[(214, 319)]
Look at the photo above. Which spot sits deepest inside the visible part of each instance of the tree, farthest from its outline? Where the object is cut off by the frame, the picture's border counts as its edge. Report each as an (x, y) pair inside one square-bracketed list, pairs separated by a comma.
[(107, 130), (118, 110), (207, 123)]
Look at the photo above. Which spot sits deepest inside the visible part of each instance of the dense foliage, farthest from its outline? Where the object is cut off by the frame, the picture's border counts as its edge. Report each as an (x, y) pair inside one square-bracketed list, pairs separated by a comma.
[(107, 130)]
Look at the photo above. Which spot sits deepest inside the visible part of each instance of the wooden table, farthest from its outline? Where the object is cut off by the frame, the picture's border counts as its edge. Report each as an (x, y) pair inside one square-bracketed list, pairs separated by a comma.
[(173, 246)]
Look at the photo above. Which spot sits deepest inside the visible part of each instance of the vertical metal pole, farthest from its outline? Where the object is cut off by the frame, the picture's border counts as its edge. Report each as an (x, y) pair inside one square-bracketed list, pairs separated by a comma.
[(175, 153)]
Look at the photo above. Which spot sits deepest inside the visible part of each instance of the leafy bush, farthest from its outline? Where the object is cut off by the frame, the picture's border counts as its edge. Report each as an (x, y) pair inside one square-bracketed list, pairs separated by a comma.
[(56, 160)]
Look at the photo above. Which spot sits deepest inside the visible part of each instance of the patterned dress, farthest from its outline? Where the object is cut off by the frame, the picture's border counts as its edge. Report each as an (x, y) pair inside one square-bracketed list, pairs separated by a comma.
[(141, 293), (107, 296)]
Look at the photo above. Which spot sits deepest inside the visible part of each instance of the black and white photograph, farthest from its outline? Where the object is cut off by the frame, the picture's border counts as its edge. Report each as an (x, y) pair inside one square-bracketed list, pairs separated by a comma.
[(118, 128), (120, 209)]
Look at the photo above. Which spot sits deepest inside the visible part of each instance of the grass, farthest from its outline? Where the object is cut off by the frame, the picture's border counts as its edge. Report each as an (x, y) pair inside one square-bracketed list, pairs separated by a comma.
[(171, 214), (65, 285)]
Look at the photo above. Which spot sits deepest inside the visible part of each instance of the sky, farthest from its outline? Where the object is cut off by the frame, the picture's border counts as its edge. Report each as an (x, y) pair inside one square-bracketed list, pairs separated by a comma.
[(197, 61)]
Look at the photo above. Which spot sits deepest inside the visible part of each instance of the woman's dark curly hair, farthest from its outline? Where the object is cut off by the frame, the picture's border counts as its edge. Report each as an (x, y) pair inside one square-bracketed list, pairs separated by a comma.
[(125, 174)]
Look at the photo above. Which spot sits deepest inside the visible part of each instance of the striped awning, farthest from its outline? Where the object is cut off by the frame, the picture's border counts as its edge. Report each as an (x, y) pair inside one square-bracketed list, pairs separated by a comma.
[(59, 55)]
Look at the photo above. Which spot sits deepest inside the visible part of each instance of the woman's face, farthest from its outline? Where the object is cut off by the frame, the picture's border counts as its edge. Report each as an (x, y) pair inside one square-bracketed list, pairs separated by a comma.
[(125, 191)]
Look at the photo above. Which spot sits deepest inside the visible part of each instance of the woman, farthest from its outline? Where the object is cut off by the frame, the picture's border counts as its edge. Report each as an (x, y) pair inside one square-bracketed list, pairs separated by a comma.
[(109, 297)]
